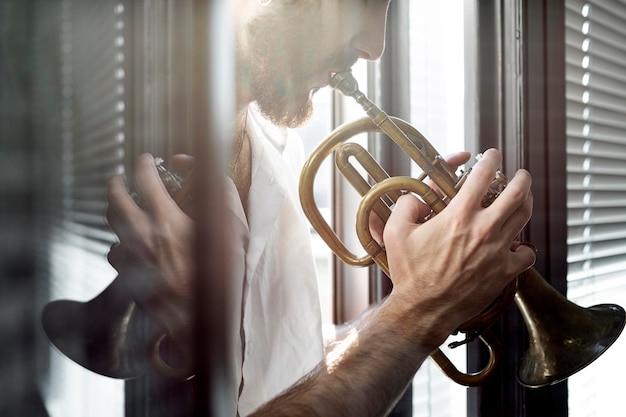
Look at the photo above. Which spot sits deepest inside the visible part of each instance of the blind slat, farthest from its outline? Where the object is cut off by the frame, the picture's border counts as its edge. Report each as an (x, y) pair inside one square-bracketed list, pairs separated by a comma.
[(593, 216)]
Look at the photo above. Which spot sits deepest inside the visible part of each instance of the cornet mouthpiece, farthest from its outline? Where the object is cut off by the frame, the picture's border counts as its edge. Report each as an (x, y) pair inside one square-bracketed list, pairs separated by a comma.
[(345, 83)]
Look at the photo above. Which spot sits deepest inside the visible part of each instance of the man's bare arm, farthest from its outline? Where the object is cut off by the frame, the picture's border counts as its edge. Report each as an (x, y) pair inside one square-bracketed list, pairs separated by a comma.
[(366, 373)]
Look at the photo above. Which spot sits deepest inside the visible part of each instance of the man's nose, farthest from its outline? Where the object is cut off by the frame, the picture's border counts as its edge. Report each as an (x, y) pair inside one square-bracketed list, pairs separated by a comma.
[(370, 41)]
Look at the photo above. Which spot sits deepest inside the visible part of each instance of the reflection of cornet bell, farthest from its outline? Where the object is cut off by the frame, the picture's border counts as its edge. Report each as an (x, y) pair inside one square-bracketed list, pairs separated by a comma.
[(109, 335), (104, 334), (564, 337)]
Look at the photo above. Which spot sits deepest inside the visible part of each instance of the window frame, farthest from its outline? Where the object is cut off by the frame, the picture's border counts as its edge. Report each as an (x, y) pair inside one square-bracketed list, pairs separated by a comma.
[(520, 89)]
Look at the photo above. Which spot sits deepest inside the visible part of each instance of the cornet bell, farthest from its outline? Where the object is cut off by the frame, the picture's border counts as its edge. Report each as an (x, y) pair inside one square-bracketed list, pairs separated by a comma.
[(563, 337)]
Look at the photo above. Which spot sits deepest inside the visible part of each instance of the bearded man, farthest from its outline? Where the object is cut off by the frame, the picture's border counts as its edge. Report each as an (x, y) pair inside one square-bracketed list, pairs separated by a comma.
[(444, 271)]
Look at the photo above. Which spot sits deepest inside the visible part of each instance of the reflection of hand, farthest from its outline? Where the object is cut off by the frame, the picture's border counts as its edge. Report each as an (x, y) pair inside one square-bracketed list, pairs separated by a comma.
[(153, 256), (456, 263)]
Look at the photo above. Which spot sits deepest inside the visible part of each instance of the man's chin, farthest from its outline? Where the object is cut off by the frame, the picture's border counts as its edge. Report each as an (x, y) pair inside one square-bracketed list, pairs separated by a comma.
[(291, 118)]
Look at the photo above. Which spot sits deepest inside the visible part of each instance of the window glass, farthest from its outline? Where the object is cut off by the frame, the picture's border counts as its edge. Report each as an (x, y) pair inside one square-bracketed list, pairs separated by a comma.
[(312, 134)]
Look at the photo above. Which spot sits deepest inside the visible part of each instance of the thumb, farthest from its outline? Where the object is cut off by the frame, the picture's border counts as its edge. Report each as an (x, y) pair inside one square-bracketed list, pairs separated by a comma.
[(182, 163), (523, 256)]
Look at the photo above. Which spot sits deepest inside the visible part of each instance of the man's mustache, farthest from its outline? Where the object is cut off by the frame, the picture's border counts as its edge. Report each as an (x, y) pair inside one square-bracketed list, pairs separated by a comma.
[(342, 61)]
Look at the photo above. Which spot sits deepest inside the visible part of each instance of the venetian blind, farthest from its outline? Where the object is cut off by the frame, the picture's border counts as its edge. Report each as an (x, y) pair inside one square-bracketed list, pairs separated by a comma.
[(90, 107), (596, 179), (93, 116)]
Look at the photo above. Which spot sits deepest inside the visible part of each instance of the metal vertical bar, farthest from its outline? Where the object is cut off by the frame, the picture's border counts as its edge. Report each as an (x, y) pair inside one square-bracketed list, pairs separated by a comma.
[(544, 140), (212, 118)]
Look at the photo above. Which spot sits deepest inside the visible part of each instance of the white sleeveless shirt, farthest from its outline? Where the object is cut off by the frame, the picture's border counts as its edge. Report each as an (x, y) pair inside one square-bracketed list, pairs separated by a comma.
[(277, 331)]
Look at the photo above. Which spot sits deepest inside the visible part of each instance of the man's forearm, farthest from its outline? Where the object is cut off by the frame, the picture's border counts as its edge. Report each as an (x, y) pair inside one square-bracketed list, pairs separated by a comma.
[(341, 331), (365, 374)]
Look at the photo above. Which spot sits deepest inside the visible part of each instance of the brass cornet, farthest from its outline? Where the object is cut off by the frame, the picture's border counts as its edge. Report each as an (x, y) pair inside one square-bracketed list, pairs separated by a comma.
[(564, 337)]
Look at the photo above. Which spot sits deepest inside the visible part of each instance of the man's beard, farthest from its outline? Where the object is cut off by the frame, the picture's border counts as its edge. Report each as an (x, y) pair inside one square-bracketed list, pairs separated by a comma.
[(277, 67), (277, 99)]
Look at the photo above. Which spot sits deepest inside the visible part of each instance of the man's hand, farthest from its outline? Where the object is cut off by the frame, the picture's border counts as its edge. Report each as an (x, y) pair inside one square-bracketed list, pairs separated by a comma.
[(154, 256), (455, 264)]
